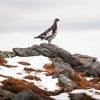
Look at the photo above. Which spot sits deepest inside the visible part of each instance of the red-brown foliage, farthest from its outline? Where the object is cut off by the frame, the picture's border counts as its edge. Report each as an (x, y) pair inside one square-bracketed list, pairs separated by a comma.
[(32, 77), (2, 61), (80, 80), (9, 66), (16, 86), (50, 69), (28, 70), (24, 63)]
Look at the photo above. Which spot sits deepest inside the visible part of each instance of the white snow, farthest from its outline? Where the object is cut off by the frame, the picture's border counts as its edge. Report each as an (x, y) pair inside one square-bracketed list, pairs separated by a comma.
[(37, 62), (62, 96), (91, 92)]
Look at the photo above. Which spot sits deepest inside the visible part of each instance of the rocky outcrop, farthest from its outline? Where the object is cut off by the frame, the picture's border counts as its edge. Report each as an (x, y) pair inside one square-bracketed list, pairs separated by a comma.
[(91, 65), (7, 54), (66, 67), (25, 52), (51, 51), (78, 62), (29, 95), (24, 95)]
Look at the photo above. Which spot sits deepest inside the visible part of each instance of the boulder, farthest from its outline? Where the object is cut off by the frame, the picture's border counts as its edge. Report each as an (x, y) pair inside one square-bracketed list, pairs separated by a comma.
[(80, 96), (6, 95), (61, 53), (27, 95), (91, 65), (51, 51), (30, 95), (25, 52), (6, 54)]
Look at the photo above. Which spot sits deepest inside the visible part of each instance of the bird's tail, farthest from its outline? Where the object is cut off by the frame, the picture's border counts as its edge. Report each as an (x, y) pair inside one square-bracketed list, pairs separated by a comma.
[(36, 37)]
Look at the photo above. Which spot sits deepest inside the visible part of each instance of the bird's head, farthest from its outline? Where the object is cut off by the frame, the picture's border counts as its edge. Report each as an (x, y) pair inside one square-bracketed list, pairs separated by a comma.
[(56, 20)]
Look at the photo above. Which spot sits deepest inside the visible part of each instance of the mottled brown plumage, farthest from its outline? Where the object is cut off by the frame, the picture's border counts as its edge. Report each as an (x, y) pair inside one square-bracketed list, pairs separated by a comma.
[(50, 33)]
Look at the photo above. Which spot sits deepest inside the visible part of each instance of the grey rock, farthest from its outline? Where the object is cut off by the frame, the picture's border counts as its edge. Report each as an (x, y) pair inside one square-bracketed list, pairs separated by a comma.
[(27, 95), (6, 95), (67, 82), (62, 68), (65, 55), (61, 65), (80, 96), (44, 51), (25, 52), (7, 54), (51, 51), (90, 64), (84, 59)]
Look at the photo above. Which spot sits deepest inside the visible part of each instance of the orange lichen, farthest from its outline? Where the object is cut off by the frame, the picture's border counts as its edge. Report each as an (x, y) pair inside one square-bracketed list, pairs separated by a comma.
[(2, 61), (28, 70), (24, 63), (9, 66), (32, 77), (16, 86), (81, 81), (50, 69), (95, 80)]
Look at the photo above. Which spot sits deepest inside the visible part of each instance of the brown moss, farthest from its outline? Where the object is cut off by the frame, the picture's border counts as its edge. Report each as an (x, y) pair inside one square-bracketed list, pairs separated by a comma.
[(24, 63), (32, 77), (28, 70), (5, 76), (80, 80), (95, 80), (9, 66), (50, 69), (2, 61), (16, 86)]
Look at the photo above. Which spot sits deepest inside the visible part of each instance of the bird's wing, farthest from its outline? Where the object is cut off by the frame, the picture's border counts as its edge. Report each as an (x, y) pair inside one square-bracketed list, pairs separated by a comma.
[(45, 33)]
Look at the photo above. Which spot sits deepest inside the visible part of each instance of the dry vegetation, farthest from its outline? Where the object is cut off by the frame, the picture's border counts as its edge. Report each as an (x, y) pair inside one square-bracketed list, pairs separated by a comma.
[(32, 77), (80, 80), (28, 70), (2, 61), (24, 63), (50, 69), (16, 86)]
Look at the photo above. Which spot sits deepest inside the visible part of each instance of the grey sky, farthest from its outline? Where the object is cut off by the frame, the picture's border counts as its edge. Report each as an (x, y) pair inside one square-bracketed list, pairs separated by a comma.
[(36, 15)]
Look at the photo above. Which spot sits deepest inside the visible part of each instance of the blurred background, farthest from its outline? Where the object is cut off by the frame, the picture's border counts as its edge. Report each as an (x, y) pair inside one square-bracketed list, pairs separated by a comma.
[(78, 29)]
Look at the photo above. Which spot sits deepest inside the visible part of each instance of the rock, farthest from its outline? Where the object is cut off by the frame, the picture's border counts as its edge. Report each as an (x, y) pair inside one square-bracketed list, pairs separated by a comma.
[(63, 74), (61, 65), (25, 52), (29, 95), (61, 53), (51, 51), (44, 51), (67, 82), (6, 54), (84, 59), (91, 65), (6, 95), (80, 96)]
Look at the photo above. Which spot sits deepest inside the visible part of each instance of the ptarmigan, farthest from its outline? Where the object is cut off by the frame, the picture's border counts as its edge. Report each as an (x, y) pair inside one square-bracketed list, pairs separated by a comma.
[(50, 33)]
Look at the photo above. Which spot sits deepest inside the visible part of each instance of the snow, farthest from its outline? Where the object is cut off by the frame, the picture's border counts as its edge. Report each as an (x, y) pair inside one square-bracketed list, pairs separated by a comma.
[(48, 82), (37, 62), (62, 96), (91, 92)]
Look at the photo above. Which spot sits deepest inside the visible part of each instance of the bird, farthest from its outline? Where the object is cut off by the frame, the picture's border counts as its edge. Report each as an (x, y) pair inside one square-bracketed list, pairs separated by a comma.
[(50, 33)]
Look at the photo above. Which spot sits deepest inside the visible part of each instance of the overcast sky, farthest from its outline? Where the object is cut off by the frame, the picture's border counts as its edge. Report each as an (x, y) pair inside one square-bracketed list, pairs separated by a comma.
[(37, 15)]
